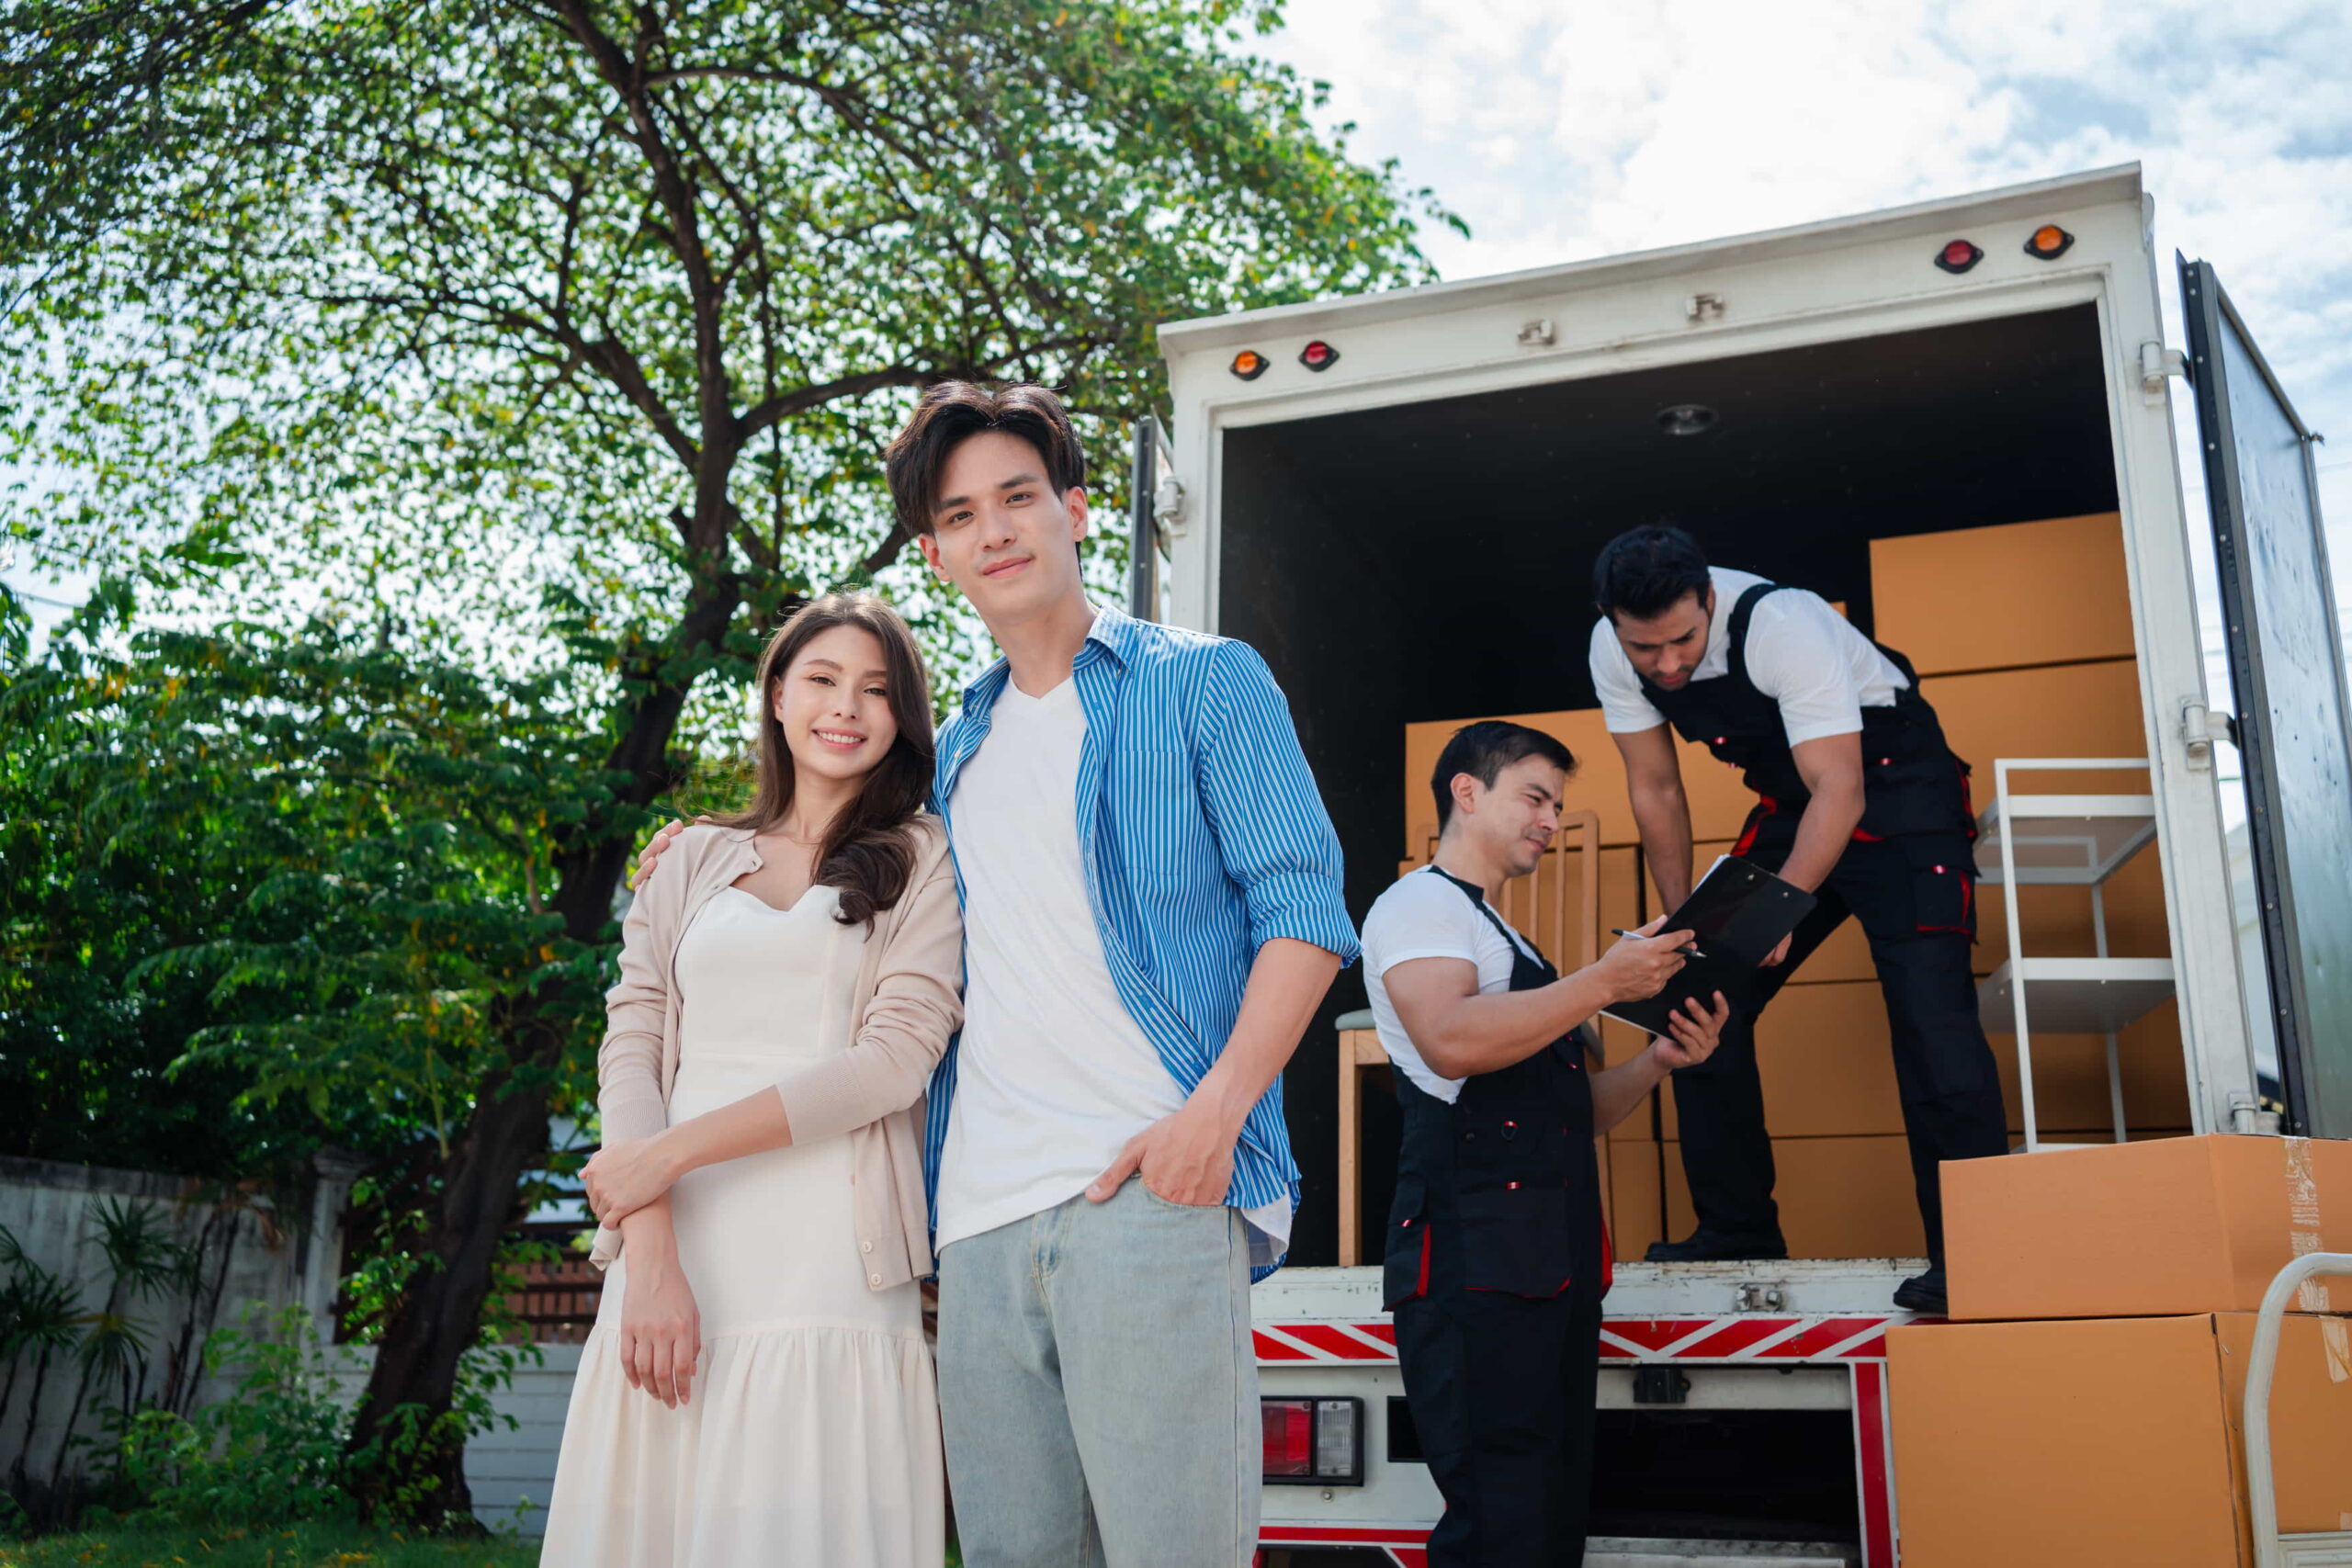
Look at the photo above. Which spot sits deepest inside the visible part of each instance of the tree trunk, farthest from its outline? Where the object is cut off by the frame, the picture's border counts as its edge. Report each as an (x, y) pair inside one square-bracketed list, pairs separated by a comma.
[(438, 1316)]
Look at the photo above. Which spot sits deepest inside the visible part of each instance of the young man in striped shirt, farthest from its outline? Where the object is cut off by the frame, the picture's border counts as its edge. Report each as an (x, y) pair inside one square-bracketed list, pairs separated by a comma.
[(1153, 907), (1153, 912)]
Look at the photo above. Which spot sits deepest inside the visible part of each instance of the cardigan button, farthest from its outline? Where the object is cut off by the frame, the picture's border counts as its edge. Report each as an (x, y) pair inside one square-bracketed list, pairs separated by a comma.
[(874, 1279), (865, 1246)]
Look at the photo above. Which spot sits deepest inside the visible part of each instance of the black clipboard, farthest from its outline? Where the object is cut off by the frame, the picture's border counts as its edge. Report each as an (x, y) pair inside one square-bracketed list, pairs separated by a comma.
[(1735, 917)]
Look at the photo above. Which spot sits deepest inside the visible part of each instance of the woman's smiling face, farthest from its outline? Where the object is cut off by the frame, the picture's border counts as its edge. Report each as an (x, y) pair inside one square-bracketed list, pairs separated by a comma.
[(833, 701)]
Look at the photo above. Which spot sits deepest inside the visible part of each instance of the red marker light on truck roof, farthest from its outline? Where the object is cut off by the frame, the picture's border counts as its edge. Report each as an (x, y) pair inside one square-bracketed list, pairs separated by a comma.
[(1249, 364), (1959, 256), (2049, 242), (1318, 355)]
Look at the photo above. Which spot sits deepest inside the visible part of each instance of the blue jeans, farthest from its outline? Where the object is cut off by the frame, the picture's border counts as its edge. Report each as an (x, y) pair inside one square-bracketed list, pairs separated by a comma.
[(1098, 1389)]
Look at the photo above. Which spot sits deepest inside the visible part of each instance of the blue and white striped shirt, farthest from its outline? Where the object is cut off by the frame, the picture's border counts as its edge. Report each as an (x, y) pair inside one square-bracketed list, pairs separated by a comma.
[(1203, 837)]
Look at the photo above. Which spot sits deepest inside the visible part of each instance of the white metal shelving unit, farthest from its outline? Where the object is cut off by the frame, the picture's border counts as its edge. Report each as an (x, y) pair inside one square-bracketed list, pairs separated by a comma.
[(2066, 840)]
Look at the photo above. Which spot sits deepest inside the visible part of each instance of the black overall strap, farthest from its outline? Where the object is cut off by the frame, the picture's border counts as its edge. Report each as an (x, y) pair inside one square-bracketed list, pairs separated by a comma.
[(1520, 954), (1735, 634), (1533, 966)]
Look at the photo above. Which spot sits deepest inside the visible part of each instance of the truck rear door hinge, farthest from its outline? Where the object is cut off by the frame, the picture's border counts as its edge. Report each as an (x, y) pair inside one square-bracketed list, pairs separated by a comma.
[(1168, 506), (2247, 1114), (2157, 362), (2199, 728)]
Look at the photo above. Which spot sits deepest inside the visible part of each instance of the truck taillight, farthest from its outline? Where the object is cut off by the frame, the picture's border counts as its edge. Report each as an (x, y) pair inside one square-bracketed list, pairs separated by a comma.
[(1312, 1442)]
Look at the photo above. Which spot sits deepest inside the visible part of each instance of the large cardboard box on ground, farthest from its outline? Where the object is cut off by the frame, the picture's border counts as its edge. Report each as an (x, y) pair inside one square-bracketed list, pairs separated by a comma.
[(2166, 1226), (1997, 598), (2111, 1441), (1838, 1197)]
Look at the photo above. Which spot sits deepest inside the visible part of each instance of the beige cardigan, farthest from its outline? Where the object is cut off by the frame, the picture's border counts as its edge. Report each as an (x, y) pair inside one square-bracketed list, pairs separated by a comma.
[(908, 1004)]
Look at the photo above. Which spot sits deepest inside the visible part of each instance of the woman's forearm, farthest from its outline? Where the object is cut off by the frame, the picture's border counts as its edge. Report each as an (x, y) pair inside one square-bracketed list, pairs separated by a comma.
[(754, 1124), (648, 1230)]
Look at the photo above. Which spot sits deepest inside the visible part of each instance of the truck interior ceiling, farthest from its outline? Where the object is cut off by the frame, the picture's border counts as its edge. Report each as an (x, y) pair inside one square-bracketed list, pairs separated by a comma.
[(1428, 562)]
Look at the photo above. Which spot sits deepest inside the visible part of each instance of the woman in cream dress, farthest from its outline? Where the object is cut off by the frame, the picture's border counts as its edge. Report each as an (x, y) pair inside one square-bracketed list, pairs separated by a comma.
[(756, 1391)]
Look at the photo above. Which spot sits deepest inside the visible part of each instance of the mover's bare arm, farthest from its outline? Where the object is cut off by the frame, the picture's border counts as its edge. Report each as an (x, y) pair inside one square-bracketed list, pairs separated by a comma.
[(1661, 811), (1460, 1033), (1831, 767)]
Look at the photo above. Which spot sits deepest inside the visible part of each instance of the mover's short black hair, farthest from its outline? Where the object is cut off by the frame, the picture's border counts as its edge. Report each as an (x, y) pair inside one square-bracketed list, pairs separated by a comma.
[(1645, 570), (1483, 750)]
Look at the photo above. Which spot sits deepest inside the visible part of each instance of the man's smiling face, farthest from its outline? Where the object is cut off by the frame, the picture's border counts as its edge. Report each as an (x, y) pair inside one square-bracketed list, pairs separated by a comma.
[(1000, 533)]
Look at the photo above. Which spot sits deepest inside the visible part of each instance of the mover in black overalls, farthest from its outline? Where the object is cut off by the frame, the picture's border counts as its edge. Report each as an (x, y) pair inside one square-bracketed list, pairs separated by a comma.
[(1859, 801), (1496, 1255)]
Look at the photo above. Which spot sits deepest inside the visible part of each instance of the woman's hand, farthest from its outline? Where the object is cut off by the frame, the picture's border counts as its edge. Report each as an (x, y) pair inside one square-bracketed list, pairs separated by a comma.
[(661, 1329), (1695, 1032), (623, 1177), (1639, 965)]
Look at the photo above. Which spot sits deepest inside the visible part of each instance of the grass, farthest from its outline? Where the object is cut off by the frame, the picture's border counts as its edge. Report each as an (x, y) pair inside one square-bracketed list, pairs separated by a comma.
[(304, 1546)]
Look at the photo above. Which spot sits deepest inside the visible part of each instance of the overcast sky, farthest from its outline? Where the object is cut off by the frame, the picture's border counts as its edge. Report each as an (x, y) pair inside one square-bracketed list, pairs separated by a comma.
[(1566, 131)]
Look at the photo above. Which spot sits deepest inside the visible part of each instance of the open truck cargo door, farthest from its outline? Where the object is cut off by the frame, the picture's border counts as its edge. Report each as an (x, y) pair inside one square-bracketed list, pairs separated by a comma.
[(1153, 495), (2287, 671)]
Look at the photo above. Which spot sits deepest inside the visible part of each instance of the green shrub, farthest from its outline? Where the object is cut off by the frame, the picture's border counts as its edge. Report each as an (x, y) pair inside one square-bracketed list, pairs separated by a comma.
[(270, 1454)]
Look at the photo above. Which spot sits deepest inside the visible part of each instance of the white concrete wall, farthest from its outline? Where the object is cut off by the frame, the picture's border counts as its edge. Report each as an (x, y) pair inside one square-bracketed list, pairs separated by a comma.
[(274, 1257)]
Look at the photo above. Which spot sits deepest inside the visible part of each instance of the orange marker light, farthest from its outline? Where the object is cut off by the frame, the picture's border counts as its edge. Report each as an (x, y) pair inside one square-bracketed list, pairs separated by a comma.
[(2049, 242), (1249, 364)]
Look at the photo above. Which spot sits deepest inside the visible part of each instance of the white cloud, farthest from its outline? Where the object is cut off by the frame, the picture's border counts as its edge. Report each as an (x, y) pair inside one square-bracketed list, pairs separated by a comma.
[(1567, 130)]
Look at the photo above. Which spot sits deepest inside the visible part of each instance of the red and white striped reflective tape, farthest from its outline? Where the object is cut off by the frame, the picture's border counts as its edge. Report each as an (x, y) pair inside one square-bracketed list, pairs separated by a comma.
[(1281, 1343), (1746, 1337), (1740, 1336)]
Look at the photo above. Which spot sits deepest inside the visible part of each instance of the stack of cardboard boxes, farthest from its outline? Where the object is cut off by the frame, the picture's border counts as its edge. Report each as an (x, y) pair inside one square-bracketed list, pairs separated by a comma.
[(2088, 1410), (2022, 636)]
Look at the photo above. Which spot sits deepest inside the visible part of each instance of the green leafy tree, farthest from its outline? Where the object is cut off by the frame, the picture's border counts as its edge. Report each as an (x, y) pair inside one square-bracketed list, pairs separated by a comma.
[(347, 842), (533, 325)]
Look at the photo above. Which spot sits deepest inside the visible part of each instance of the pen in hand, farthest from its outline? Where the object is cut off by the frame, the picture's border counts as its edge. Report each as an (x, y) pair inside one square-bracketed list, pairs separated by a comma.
[(1688, 950)]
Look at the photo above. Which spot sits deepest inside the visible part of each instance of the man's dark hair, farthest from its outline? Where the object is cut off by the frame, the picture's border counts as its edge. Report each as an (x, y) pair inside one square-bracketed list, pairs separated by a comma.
[(1646, 570), (1483, 750), (952, 413)]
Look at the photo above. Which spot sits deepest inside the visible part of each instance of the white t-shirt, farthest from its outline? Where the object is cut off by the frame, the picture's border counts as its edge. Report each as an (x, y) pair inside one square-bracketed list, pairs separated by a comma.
[(1053, 1074), (1801, 652), (1424, 916)]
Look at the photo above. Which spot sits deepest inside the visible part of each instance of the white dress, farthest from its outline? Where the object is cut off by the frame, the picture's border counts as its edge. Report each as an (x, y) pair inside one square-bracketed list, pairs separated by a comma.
[(811, 1436)]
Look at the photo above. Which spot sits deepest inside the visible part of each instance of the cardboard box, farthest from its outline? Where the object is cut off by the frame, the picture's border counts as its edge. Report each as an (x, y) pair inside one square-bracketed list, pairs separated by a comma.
[(2169, 1226), (2070, 1084), (2057, 920), (1829, 1071), (1636, 1199), (2109, 1441), (1839, 1196), (2071, 710), (1997, 598)]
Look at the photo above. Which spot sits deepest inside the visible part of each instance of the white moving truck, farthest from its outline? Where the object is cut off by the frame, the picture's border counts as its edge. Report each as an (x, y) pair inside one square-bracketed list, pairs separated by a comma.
[(1396, 498)]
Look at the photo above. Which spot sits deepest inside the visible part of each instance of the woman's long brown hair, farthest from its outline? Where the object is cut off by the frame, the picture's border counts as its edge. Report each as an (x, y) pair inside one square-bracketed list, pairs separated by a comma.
[(868, 852)]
